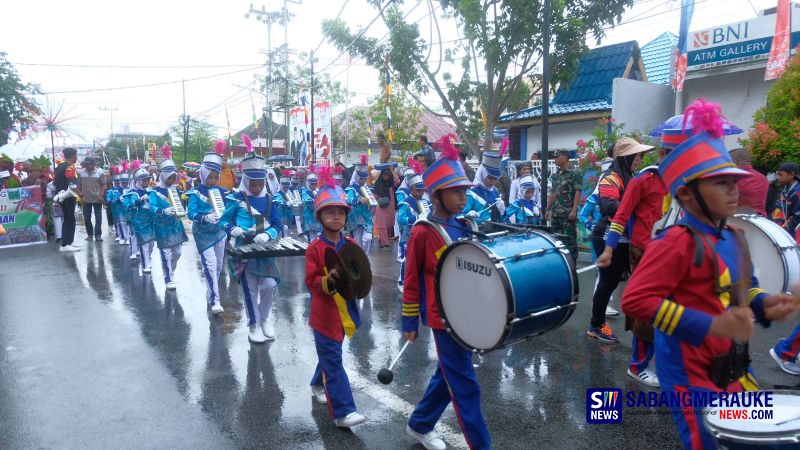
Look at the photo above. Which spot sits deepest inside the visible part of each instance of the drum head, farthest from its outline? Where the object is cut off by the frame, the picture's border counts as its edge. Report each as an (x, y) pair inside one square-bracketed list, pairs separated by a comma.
[(768, 263), (783, 427), (473, 296)]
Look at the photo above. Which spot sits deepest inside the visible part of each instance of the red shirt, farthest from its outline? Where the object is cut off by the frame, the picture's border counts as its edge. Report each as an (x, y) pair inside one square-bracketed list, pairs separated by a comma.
[(425, 247), (642, 206), (753, 190)]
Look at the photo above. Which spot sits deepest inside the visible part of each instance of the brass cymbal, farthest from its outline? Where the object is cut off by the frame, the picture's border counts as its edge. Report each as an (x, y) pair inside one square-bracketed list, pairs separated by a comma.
[(357, 264), (344, 284)]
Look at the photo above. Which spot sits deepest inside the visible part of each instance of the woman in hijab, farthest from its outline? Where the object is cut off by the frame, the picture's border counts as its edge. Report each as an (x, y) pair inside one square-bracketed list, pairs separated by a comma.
[(384, 189), (170, 234)]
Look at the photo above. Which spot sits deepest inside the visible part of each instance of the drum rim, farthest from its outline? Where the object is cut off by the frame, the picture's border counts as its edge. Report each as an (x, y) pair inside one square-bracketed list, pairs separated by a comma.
[(754, 220), (506, 287)]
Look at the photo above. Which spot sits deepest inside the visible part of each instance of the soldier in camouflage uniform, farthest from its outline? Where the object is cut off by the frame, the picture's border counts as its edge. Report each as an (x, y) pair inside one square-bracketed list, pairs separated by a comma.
[(563, 200)]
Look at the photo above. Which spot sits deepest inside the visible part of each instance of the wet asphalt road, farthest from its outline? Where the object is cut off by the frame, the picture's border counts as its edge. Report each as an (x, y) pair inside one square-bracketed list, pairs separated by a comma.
[(95, 355)]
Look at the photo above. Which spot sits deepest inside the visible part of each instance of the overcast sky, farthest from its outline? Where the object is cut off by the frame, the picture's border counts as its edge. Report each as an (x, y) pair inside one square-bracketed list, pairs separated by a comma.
[(162, 42)]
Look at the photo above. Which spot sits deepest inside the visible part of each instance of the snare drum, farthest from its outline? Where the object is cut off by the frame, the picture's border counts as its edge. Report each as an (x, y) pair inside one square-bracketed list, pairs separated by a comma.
[(509, 287), (773, 251), (782, 431)]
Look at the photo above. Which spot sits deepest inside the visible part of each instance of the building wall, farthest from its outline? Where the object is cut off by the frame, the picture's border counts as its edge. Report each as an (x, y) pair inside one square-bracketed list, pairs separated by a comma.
[(740, 94), (640, 105), (560, 136)]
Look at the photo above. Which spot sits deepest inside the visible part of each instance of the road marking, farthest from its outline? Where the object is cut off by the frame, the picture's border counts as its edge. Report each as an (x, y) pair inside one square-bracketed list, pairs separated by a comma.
[(453, 437), (586, 269)]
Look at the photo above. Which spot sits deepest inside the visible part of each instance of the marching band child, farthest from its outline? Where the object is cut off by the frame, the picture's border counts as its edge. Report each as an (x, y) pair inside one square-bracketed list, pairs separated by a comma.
[(455, 378), (695, 282), (284, 202), (170, 234), (112, 196), (483, 200), (118, 209), (126, 185), (245, 213), (524, 210), (137, 201), (296, 210), (410, 208), (332, 317), (402, 192), (360, 218), (209, 238), (311, 227)]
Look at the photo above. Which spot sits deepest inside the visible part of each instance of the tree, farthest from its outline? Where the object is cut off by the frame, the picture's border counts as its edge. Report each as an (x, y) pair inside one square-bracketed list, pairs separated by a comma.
[(775, 137), (299, 74), (506, 36), (18, 108), (201, 140)]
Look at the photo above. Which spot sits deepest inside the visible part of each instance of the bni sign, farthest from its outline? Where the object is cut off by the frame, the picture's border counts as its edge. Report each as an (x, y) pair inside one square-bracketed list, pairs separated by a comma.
[(737, 42)]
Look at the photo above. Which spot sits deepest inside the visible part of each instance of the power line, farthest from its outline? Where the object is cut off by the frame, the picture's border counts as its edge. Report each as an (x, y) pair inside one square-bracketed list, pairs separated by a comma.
[(331, 26), (100, 66)]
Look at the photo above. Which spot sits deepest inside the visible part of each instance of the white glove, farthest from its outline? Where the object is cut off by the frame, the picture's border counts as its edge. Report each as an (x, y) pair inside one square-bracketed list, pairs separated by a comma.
[(473, 214), (170, 211), (237, 232), (211, 218), (501, 205), (262, 238)]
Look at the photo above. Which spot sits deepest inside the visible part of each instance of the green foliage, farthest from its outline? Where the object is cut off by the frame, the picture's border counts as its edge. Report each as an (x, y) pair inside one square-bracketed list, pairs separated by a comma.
[(299, 73), (505, 36), (115, 149), (775, 137), (18, 108), (604, 135), (201, 140)]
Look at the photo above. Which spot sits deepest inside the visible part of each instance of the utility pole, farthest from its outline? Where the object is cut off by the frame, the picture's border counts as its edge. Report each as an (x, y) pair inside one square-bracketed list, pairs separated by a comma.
[(184, 121), (111, 111), (313, 130), (545, 100)]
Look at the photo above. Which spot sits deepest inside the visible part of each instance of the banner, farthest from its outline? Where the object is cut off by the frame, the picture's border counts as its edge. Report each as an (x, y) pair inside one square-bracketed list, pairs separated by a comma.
[(779, 54), (322, 136), (22, 217), (298, 130), (681, 57)]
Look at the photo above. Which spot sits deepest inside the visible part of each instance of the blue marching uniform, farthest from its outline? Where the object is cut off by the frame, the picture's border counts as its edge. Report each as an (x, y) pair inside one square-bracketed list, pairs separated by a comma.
[(141, 223), (285, 212), (408, 212), (169, 233), (113, 200), (259, 276), (209, 238), (360, 217), (311, 227), (479, 198), (522, 212)]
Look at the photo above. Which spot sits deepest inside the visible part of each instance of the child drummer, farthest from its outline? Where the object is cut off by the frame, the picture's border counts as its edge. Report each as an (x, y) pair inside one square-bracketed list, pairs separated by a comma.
[(455, 378), (208, 236), (332, 317), (695, 282), (524, 210)]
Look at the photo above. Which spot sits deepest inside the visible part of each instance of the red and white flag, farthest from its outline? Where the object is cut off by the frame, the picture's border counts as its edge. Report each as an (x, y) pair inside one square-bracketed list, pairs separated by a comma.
[(779, 53)]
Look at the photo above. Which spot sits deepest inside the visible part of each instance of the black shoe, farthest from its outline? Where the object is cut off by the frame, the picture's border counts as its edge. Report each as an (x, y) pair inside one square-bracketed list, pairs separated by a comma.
[(58, 241), (98, 239), (88, 238)]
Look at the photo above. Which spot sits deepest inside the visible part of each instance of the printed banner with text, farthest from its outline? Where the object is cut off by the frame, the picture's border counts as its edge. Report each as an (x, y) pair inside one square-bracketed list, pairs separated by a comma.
[(22, 217)]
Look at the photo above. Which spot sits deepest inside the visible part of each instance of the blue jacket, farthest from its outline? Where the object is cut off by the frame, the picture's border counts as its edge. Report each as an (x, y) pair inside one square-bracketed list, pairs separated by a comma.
[(522, 211), (309, 219), (360, 213), (237, 215), (407, 213), (206, 235), (478, 199), (169, 229), (141, 217)]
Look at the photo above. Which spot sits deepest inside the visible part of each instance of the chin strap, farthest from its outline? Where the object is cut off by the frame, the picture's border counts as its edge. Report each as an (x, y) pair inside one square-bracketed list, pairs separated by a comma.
[(695, 187)]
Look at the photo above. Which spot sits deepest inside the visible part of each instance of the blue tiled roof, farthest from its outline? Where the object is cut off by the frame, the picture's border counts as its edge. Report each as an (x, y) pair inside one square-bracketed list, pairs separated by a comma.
[(590, 90), (656, 56)]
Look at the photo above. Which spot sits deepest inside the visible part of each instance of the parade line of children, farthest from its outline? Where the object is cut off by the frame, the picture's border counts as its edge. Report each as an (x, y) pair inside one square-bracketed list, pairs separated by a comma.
[(692, 293)]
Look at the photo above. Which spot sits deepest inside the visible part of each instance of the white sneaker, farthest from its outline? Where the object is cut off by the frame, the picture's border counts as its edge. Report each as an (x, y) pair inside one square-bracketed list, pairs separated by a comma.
[(646, 377), (127, 242), (147, 270), (67, 249), (349, 420), (76, 247), (319, 394), (792, 367), (611, 312), (121, 242), (134, 256), (255, 335), (172, 285), (217, 309), (117, 240), (268, 330), (428, 440)]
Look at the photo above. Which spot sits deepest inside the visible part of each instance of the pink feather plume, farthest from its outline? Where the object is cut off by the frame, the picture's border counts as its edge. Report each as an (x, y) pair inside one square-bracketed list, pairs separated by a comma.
[(287, 173), (219, 147), (136, 165), (115, 170), (705, 116), (415, 166), (247, 143), (364, 158), (449, 150), (312, 168), (504, 146), (166, 152), (124, 166), (338, 170), (325, 174)]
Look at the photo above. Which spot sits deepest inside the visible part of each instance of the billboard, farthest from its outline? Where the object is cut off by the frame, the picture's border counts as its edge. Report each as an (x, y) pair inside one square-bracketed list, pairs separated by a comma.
[(22, 217), (299, 134)]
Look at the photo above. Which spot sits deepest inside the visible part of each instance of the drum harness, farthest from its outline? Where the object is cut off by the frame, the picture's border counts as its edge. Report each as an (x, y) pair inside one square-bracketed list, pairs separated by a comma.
[(731, 366)]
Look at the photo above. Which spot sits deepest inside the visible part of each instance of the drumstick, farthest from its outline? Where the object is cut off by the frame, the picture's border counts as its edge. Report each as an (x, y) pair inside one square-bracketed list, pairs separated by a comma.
[(386, 376)]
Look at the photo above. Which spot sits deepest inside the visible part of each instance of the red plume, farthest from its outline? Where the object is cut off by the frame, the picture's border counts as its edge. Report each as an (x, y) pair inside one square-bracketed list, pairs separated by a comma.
[(114, 170), (338, 170), (247, 143), (449, 150), (325, 174), (136, 165), (219, 147), (705, 116), (415, 166), (287, 173), (312, 168), (166, 152), (504, 146), (124, 166), (364, 158)]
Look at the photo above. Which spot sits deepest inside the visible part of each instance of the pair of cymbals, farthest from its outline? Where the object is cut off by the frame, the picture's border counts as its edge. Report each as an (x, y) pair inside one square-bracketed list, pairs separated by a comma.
[(354, 272)]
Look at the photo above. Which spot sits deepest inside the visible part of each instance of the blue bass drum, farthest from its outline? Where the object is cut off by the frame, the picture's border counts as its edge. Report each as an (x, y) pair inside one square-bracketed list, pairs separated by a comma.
[(506, 288)]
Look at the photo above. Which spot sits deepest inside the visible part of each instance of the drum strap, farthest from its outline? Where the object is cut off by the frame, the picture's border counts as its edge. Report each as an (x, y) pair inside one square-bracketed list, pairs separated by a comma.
[(699, 249)]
